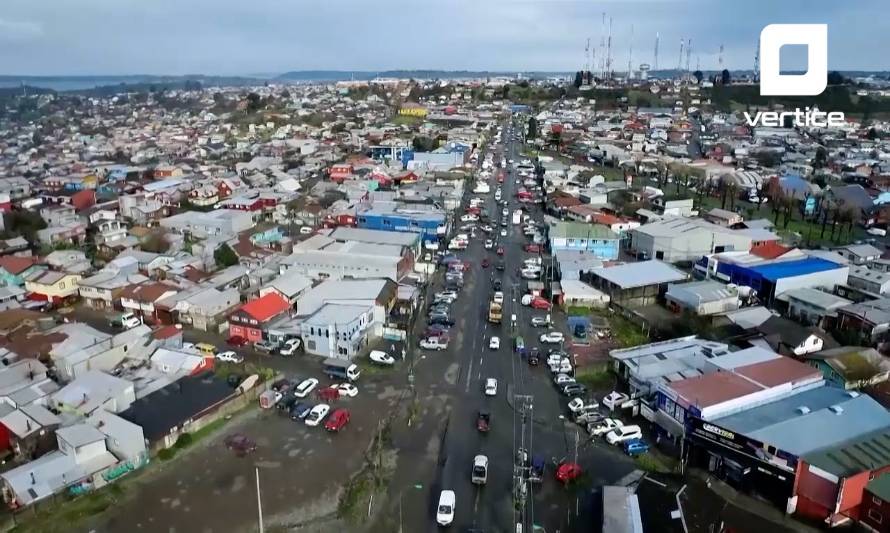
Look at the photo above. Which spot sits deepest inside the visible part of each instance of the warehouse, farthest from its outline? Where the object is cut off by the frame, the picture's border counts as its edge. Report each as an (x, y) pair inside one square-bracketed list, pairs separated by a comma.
[(685, 239), (775, 278), (635, 284)]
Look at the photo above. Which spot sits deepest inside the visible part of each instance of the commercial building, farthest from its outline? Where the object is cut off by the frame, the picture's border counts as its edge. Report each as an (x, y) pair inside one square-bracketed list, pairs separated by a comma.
[(427, 220), (635, 284), (595, 239), (217, 223), (678, 239), (702, 297)]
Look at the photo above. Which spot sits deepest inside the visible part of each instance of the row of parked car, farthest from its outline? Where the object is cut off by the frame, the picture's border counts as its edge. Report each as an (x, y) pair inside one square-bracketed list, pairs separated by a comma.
[(289, 396), (613, 430)]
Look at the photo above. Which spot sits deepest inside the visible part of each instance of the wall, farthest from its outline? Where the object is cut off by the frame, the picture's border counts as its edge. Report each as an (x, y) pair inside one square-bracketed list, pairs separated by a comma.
[(875, 513), (828, 278)]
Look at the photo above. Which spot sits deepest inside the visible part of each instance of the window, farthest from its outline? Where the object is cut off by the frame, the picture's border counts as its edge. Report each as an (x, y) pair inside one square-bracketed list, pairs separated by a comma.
[(875, 516), (659, 255), (874, 499), (62, 285)]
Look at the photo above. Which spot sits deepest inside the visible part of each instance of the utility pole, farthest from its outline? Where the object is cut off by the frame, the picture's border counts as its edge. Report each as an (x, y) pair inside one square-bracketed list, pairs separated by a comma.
[(523, 457), (259, 502)]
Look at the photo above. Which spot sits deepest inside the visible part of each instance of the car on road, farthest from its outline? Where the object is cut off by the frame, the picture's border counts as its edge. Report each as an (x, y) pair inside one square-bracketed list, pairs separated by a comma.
[(496, 285), (317, 414), (337, 421), (574, 389), (532, 248), (498, 297), (504, 232), (568, 472), (305, 387), (299, 410), (491, 387), (445, 509), (479, 474), (623, 434), (469, 218), (229, 357), (494, 343), (489, 244), (483, 421), (534, 357), (563, 379), (290, 347), (346, 389), (264, 346), (552, 337), (450, 295), (635, 447), (434, 343), (486, 263), (505, 212), (527, 273), (500, 251), (607, 425), (500, 266), (540, 322), (381, 358), (576, 405), (236, 340)]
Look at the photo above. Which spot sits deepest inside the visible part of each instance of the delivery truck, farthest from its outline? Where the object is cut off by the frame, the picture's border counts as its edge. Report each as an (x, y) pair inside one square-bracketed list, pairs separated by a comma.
[(341, 369)]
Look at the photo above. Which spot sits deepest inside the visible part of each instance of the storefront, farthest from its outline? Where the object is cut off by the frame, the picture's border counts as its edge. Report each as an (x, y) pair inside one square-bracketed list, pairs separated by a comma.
[(747, 464)]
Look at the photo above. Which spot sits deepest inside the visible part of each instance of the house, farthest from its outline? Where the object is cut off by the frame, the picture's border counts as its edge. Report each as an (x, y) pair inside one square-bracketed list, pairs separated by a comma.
[(876, 503), (73, 261), (204, 307), (186, 405), (84, 351), (813, 307), (722, 217), (14, 269), (25, 382), (866, 322), (790, 338), (94, 390), (141, 298), (634, 284), (290, 286), (337, 330), (53, 287), (82, 454), (858, 254), (702, 297), (871, 281), (576, 293), (677, 239), (596, 239), (27, 432), (851, 367), (250, 320), (102, 290)]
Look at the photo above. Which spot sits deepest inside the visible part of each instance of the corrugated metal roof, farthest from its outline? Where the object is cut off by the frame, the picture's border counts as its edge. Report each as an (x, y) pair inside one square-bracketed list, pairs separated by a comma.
[(630, 275)]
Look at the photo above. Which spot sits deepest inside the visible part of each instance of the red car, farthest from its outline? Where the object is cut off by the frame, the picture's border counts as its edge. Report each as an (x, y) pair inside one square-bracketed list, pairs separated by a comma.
[(338, 420), (239, 443), (237, 341), (568, 472), (500, 250), (328, 394), (532, 248), (540, 303), (486, 263)]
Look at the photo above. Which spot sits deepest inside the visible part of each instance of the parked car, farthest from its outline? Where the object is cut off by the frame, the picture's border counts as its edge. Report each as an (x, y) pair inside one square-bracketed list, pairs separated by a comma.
[(615, 399), (607, 425), (533, 248), (568, 472), (563, 379), (436, 330), (623, 433), (451, 295), (237, 341), (491, 387), (290, 347), (346, 389), (576, 404), (229, 357), (540, 303), (241, 444), (635, 447), (381, 358), (434, 343), (304, 388), (264, 346), (300, 409), (445, 509), (494, 343), (489, 244), (553, 337), (574, 389), (445, 321), (540, 321), (317, 414), (337, 421)]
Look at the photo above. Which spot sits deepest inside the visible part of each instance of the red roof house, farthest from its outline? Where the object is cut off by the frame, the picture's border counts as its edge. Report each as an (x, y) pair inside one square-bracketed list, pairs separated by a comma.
[(248, 320)]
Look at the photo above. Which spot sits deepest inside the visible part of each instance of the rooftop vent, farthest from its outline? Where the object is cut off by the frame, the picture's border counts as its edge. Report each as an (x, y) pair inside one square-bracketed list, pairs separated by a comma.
[(803, 409), (853, 394), (836, 409)]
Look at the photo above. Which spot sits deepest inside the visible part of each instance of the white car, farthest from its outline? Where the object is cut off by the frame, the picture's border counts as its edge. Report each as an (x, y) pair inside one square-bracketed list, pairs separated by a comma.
[(576, 405), (469, 218), (305, 387), (623, 433), (445, 510), (346, 389), (491, 387), (489, 244), (503, 232), (229, 357), (553, 337), (555, 358), (494, 343), (317, 414), (563, 379), (433, 343), (381, 358), (505, 212), (606, 426), (446, 295), (615, 399), (290, 347), (540, 321), (498, 297)]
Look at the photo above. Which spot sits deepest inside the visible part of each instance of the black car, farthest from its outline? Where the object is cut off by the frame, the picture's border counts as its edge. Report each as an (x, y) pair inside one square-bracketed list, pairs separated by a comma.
[(299, 410), (439, 320), (534, 357), (500, 266), (496, 285), (441, 308), (574, 389), (282, 385), (286, 403)]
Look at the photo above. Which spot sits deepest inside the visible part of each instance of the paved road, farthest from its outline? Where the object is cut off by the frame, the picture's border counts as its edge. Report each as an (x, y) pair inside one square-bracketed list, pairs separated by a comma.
[(455, 441)]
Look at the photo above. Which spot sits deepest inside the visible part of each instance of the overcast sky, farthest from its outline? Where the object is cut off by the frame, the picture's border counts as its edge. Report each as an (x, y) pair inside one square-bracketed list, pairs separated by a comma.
[(56, 37)]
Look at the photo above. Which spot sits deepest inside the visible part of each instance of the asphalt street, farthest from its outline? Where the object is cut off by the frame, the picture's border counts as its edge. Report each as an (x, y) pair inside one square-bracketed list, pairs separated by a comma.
[(466, 365)]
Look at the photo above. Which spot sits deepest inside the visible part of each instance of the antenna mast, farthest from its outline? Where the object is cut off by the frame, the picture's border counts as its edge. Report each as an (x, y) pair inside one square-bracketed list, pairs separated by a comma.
[(630, 54), (680, 59), (656, 50), (609, 51), (603, 48), (688, 53), (757, 62)]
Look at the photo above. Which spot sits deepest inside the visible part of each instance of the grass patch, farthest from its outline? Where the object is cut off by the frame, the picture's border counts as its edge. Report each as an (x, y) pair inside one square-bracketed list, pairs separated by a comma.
[(224, 370), (626, 333), (70, 511), (578, 311), (406, 120), (649, 462), (371, 369), (595, 378)]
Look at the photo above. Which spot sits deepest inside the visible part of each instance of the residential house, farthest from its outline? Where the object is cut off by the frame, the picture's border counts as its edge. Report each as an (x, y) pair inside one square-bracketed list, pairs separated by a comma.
[(141, 298), (866, 322), (102, 290), (204, 307), (876, 503), (596, 239), (722, 217), (14, 269), (290, 286), (27, 432), (53, 287), (851, 367), (94, 390), (251, 319), (790, 338), (73, 261), (858, 254), (702, 297), (635, 284)]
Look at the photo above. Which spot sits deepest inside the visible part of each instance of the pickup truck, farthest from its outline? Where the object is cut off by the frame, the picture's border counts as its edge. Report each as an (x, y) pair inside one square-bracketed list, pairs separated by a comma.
[(125, 321), (495, 313)]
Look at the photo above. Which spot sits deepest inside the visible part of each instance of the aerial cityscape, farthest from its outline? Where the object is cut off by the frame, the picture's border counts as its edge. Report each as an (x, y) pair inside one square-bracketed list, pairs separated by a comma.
[(511, 266)]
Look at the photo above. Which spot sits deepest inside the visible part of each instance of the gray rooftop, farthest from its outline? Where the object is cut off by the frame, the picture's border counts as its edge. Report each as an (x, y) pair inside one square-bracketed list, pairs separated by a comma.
[(630, 275), (399, 238), (815, 298)]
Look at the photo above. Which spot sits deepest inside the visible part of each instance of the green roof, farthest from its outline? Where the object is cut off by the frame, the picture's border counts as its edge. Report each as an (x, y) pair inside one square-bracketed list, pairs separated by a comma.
[(868, 452), (580, 230), (880, 487)]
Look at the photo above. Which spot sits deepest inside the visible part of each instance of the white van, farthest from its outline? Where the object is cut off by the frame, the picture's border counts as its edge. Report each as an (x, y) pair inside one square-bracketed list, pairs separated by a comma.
[(624, 433)]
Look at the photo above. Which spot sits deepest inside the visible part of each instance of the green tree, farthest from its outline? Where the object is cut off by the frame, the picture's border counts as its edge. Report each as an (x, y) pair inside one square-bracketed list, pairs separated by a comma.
[(725, 77), (699, 76), (821, 157), (579, 79), (225, 256), (532, 128)]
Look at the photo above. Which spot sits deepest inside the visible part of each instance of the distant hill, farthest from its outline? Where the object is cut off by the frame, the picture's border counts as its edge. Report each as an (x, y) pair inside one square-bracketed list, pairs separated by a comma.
[(85, 83), (364, 75)]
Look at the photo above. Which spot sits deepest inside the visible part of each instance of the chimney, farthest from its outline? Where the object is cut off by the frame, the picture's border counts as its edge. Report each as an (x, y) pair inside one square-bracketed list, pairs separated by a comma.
[(28, 424), (33, 481)]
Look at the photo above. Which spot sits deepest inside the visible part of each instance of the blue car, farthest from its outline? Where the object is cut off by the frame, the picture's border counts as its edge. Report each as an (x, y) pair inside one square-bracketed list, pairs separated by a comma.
[(635, 447), (300, 410)]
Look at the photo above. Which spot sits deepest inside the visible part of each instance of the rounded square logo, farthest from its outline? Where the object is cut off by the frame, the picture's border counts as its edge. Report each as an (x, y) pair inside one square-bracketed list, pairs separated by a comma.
[(772, 39)]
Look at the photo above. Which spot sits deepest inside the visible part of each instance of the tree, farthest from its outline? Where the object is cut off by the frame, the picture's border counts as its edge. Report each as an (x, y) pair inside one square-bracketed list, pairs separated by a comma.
[(835, 78), (699, 76), (725, 77), (820, 159), (579, 79), (253, 102), (532, 128), (156, 242), (225, 256)]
